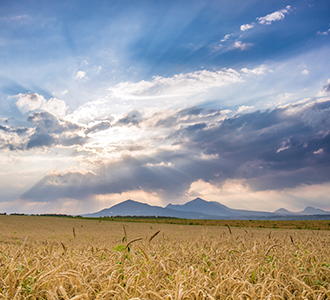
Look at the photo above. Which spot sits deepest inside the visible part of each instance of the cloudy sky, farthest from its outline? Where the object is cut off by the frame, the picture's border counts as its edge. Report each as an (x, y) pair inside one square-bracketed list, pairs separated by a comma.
[(163, 102)]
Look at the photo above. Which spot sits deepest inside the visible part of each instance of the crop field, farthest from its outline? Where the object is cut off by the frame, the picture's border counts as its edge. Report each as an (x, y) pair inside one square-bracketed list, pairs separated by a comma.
[(71, 258)]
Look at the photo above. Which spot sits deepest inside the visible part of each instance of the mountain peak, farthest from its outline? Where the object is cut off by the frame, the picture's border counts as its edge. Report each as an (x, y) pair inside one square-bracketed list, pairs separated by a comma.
[(309, 207), (198, 200), (310, 210), (130, 201), (202, 206), (283, 211)]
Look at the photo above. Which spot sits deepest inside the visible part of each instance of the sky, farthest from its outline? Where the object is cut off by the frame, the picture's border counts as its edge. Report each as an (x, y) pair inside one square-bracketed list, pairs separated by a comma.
[(162, 102)]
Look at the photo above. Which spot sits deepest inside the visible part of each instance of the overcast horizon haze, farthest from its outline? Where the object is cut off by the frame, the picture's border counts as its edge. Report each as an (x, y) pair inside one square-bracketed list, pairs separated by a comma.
[(162, 102)]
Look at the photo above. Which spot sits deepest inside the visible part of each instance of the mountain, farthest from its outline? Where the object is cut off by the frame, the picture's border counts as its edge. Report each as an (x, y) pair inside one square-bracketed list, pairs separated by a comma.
[(199, 209), (284, 212), (309, 210), (134, 208), (215, 208), (205, 207)]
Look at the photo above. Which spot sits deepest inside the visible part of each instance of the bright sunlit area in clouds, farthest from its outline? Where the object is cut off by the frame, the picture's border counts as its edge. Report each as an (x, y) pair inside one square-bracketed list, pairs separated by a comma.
[(163, 102)]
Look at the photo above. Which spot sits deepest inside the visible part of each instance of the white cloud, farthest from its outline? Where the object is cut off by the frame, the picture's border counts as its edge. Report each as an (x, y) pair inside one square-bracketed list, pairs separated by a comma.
[(242, 46), (275, 16), (324, 32), (244, 108), (281, 100), (235, 193), (218, 47), (305, 72), (226, 37), (181, 84), (55, 106), (33, 101), (245, 27), (282, 149), (186, 89), (256, 71), (320, 151), (80, 75), (22, 18), (162, 164), (29, 102)]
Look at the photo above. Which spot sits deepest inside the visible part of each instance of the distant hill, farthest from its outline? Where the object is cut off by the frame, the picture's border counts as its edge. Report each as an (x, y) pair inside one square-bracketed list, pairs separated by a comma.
[(199, 209), (309, 210), (134, 208), (205, 207), (284, 212), (214, 208)]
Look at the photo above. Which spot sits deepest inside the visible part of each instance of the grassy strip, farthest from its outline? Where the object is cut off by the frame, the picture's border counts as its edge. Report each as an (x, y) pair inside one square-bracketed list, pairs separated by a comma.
[(281, 224)]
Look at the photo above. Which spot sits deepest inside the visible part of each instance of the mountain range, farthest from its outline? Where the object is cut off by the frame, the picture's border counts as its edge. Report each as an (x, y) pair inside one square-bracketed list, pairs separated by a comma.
[(201, 209)]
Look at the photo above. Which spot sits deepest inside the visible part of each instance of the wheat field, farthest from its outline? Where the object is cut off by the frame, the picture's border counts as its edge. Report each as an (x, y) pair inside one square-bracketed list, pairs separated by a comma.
[(63, 258)]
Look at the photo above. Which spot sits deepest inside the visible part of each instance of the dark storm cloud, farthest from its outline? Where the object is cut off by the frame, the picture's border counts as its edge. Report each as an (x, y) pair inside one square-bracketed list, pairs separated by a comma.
[(73, 141), (188, 115), (99, 127), (132, 118), (129, 174), (47, 122), (5, 128), (19, 131), (167, 122), (274, 149), (190, 111), (38, 140), (326, 88), (196, 127), (13, 138), (47, 131), (50, 131)]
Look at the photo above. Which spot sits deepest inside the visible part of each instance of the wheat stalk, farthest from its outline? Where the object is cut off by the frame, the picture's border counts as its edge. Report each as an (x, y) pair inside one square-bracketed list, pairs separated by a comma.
[(153, 236), (134, 240), (228, 228), (271, 247)]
